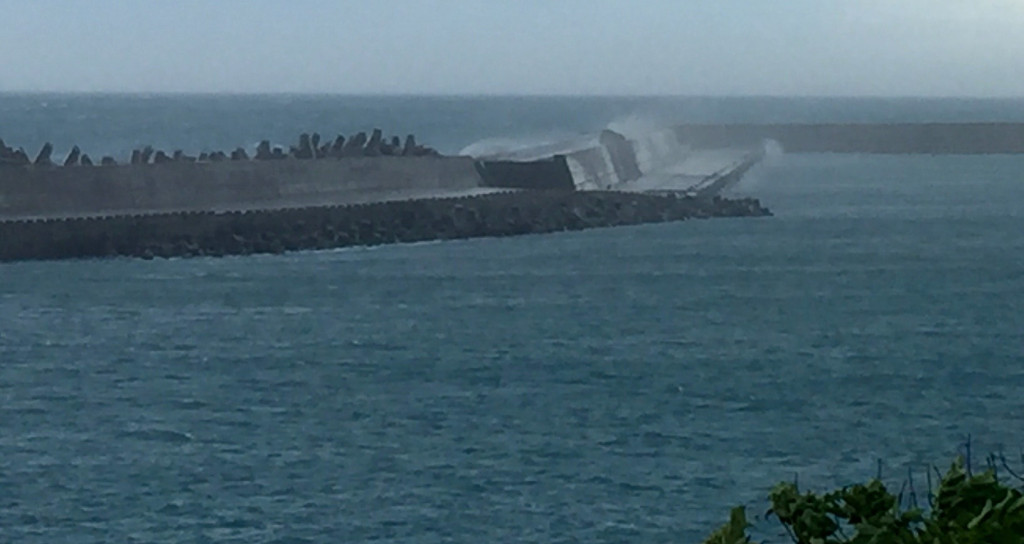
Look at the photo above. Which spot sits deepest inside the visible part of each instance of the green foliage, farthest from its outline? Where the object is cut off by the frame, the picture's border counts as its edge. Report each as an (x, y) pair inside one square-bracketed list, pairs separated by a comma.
[(967, 509), (734, 532)]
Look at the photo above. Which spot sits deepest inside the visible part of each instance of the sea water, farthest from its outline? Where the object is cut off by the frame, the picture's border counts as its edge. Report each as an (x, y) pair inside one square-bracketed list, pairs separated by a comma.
[(612, 385)]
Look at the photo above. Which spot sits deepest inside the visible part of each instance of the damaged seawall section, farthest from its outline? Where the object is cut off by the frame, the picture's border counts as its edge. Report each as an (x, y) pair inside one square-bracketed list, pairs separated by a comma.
[(592, 164)]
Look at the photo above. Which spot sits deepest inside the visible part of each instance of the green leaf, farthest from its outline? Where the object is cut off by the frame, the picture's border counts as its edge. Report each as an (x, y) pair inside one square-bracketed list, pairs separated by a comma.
[(981, 517), (734, 532)]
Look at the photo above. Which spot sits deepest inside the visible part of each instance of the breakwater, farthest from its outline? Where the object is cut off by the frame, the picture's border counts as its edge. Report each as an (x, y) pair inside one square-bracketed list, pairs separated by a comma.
[(274, 231), (309, 173), (128, 189), (312, 173), (361, 191), (896, 138)]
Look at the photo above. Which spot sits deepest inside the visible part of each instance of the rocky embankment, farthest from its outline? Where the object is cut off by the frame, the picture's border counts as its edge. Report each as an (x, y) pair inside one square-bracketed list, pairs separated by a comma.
[(276, 231), (309, 146)]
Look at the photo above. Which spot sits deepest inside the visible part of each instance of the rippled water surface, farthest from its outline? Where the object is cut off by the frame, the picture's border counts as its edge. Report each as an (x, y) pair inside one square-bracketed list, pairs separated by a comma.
[(617, 385)]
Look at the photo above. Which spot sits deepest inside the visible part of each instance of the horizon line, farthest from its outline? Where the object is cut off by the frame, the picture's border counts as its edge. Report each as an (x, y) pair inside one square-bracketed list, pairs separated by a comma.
[(320, 94)]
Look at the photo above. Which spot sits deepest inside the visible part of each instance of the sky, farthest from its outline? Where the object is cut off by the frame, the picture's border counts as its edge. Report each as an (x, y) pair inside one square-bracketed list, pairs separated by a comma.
[(565, 47)]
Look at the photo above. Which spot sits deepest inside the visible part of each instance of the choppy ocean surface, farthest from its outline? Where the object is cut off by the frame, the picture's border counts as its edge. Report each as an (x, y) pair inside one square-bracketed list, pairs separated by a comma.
[(616, 385)]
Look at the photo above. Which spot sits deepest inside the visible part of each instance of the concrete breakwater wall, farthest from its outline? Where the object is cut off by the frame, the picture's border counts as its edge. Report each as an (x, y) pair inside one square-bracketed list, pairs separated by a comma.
[(325, 196), (343, 171), (33, 191), (312, 174), (275, 231), (348, 171), (550, 173), (907, 138)]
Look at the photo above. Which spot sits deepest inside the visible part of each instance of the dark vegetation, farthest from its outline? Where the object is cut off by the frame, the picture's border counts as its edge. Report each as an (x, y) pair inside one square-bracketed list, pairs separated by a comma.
[(964, 508)]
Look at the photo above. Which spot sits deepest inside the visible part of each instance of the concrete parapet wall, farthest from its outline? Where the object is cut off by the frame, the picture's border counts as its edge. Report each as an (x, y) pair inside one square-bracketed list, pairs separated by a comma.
[(52, 191), (550, 173), (919, 138), (592, 169), (615, 160), (623, 155)]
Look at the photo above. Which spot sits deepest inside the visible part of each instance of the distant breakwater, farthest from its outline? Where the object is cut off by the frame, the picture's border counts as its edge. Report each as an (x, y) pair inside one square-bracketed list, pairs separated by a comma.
[(189, 234), (882, 138)]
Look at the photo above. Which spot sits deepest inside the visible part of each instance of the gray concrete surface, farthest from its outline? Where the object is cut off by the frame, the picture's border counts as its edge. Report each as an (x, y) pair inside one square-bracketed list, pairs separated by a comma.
[(697, 170), (27, 192), (656, 161)]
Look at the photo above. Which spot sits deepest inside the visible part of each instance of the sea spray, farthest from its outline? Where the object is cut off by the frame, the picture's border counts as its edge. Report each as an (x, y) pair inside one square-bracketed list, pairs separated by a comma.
[(507, 145), (773, 156), (635, 126)]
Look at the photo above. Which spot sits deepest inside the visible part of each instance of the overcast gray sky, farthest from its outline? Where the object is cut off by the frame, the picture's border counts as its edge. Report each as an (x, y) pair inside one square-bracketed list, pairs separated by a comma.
[(690, 47)]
